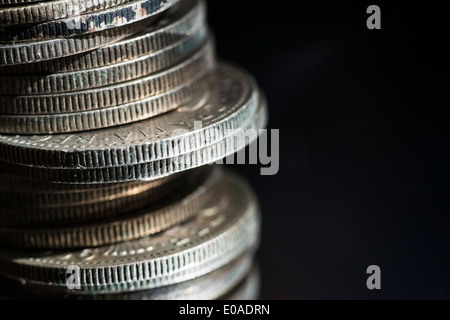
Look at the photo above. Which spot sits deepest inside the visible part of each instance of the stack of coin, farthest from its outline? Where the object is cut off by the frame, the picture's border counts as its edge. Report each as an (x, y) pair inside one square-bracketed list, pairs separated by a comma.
[(110, 113)]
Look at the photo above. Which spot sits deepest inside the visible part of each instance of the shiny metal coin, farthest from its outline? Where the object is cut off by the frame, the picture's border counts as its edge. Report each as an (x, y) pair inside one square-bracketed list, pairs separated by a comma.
[(149, 220), (230, 103), (147, 97), (110, 95), (237, 280), (96, 77), (107, 117), (118, 16), (173, 33), (34, 51), (151, 170), (30, 203), (53, 10), (208, 287), (216, 236)]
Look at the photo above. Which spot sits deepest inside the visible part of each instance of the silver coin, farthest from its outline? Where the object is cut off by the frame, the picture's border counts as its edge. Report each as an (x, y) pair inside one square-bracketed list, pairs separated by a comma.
[(53, 10), (107, 117), (16, 184), (151, 170), (177, 24), (124, 14), (215, 237), (208, 287), (149, 97), (40, 204), (35, 51), (230, 103), (96, 77), (112, 95), (233, 279), (141, 223)]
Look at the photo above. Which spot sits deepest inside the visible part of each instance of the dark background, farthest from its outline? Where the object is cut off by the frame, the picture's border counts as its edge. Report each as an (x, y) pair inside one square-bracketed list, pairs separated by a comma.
[(364, 155)]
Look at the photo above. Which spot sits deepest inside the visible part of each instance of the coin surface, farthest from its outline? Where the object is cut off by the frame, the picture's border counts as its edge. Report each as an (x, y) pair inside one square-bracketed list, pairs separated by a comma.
[(126, 13), (53, 10), (208, 287), (145, 98), (107, 96), (154, 169), (34, 51), (236, 279), (112, 113), (177, 24), (151, 219), (111, 116), (96, 77), (40, 204), (230, 103), (215, 237)]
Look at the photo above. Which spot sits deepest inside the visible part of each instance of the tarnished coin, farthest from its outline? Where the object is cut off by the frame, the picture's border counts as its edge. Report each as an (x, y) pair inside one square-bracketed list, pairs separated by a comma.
[(168, 33), (216, 236), (145, 98), (237, 140), (153, 218), (53, 10), (31, 203), (230, 103), (118, 16)]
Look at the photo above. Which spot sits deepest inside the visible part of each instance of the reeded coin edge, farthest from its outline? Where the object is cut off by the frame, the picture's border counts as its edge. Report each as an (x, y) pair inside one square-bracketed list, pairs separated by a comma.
[(187, 20), (194, 259), (43, 154), (123, 228), (121, 15), (145, 171), (34, 51), (189, 81), (50, 209), (53, 10), (76, 81)]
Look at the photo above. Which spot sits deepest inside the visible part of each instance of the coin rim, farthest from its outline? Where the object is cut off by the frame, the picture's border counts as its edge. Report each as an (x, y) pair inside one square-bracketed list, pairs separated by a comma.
[(186, 20), (146, 171), (142, 223), (114, 17), (41, 155), (236, 236)]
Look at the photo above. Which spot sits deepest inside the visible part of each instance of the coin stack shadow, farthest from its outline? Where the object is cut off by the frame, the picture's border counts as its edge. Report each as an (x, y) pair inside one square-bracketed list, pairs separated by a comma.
[(110, 114)]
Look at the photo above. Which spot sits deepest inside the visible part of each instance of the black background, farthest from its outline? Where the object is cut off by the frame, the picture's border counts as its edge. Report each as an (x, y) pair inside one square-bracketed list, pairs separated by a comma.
[(364, 155)]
